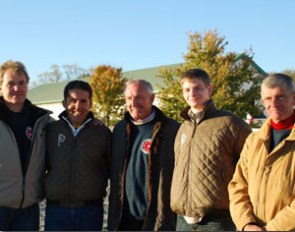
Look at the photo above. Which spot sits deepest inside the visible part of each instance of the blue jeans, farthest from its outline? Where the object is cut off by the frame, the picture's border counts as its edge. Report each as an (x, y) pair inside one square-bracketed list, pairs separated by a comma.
[(213, 223), (88, 218), (26, 219)]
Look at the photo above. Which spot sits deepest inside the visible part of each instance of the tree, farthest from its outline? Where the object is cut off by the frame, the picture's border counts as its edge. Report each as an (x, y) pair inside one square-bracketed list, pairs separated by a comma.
[(52, 76), (108, 102), (57, 74), (72, 71), (290, 72), (236, 83)]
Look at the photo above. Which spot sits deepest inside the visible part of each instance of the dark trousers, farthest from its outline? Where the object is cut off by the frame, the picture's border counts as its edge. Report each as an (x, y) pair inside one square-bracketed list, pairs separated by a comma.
[(87, 218), (26, 219), (129, 223), (216, 222)]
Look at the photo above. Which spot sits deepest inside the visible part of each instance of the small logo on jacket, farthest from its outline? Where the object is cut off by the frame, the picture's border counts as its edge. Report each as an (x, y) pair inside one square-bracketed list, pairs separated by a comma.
[(29, 132), (182, 140), (61, 138), (146, 146)]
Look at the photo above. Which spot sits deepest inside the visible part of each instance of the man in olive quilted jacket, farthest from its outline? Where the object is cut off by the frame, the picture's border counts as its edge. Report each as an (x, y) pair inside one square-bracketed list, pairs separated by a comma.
[(207, 147)]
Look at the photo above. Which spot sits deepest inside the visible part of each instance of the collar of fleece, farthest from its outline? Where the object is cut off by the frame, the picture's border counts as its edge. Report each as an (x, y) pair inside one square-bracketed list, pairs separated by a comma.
[(284, 124)]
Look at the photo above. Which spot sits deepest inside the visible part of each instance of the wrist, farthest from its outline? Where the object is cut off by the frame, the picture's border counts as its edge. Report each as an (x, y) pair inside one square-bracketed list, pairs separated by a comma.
[(248, 224)]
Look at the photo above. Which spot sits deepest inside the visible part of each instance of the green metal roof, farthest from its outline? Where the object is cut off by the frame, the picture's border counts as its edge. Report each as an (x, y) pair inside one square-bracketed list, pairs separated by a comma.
[(53, 92), (258, 68), (48, 93)]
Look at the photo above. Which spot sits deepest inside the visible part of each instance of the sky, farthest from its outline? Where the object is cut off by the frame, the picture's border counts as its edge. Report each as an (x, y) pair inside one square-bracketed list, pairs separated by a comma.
[(135, 35)]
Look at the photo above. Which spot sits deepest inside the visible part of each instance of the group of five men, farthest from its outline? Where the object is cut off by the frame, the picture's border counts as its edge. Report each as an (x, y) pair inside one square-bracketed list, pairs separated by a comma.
[(206, 174)]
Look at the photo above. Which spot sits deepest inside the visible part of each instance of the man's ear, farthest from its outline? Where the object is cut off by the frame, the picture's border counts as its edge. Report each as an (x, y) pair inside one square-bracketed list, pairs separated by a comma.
[(152, 98), (64, 104)]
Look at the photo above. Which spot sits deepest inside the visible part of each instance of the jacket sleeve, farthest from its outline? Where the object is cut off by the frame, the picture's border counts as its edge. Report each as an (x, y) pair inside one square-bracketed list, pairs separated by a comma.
[(108, 151), (243, 132), (240, 205), (284, 219)]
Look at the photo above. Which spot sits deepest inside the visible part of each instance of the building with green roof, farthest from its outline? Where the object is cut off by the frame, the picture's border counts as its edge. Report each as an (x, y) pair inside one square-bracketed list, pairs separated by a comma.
[(50, 96)]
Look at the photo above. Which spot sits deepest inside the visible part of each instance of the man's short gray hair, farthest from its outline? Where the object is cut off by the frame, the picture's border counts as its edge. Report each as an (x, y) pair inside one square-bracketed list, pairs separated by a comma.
[(145, 83), (278, 80)]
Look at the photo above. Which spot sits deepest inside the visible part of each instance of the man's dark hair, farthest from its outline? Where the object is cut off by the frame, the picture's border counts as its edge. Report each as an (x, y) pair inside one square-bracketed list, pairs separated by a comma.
[(77, 84), (196, 73)]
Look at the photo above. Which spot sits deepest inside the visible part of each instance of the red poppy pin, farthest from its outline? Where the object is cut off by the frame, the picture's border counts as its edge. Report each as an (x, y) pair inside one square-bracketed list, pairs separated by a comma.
[(29, 133), (146, 146)]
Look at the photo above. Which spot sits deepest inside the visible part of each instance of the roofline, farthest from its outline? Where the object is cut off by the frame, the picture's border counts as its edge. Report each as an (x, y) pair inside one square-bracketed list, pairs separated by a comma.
[(47, 102)]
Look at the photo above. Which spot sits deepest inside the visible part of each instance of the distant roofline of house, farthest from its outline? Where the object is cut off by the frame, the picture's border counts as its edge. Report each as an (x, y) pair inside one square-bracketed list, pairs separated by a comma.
[(50, 93)]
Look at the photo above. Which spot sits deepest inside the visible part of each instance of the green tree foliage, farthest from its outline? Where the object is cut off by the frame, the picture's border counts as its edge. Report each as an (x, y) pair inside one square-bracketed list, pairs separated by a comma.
[(236, 83), (290, 72), (108, 102)]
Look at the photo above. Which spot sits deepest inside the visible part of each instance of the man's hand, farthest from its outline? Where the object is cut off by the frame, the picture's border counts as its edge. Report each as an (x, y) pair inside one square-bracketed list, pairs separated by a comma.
[(251, 227)]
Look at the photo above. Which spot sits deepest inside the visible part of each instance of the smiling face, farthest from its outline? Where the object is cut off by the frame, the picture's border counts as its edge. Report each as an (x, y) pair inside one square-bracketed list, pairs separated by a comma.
[(77, 105), (278, 102), (138, 101), (14, 88), (196, 93)]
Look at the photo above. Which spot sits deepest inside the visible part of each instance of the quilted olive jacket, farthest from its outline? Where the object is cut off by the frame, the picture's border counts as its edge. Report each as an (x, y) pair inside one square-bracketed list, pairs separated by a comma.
[(205, 157)]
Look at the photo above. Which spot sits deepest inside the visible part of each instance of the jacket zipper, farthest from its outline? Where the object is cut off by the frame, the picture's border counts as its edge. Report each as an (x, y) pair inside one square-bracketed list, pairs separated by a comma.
[(28, 162), (154, 135), (189, 162), (261, 186), (124, 172), (23, 194)]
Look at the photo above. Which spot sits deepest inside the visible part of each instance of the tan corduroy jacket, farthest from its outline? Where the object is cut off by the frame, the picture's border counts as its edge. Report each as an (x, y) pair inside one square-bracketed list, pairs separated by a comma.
[(262, 190)]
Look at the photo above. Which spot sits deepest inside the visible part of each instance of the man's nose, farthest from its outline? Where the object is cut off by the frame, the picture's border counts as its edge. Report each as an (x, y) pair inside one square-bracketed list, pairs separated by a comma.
[(133, 101), (78, 105), (16, 87), (275, 101), (192, 92)]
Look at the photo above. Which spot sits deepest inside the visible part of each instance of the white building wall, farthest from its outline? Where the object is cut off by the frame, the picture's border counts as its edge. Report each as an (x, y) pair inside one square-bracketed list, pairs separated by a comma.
[(56, 108)]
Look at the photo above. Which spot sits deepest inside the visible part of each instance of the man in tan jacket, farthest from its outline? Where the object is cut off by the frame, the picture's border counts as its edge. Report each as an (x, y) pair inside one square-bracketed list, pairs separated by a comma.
[(207, 148), (262, 191)]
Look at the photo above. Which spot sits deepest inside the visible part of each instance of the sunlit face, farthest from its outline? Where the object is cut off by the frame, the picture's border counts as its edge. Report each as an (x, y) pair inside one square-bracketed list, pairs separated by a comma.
[(14, 89), (196, 93), (77, 105), (138, 101), (278, 102)]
